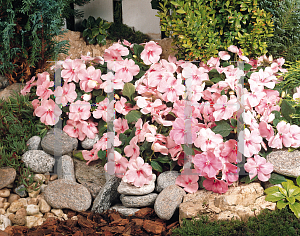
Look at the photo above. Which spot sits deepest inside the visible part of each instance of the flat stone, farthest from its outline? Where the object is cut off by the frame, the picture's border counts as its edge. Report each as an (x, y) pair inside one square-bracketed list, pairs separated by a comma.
[(107, 195), (126, 211), (34, 143), (285, 163), (88, 143), (168, 201), (65, 168), (138, 201), (57, 142), (38, 160), (7, 176), (63, 193), (129, 189), (166, 179)]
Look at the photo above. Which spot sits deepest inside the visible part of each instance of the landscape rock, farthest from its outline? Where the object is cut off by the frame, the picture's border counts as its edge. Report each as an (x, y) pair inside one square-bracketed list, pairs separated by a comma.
[(88, 143), (107, 195), (126, 211), (44, 206), (129, 189), (7, 176), (168, 201), (166, 179), (38, 160), (13, 197), (14, 206), (21, 193), (138, 201), (65, 168), (4, 82), (9, 91), (34, 194), (67, 194), (4, 192), (58, 141), (4, 222), (32, 210), (34, 143), (30, 220), (39, 177)]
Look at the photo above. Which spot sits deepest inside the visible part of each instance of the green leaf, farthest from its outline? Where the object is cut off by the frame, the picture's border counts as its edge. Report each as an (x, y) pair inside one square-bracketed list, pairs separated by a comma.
[(247, 179), (274, 197), (102, 127), (293, 191), (298, 180), (288, 184), (99, 98), (277, 114), (181, 11), (281, 204), (138, 49), (102, 154), (128, 90), (163, 159), (79, 156), (101, 39), (175, 3), (276, 178), (133, 116), (287, 109), (95, 31), (283, 191), (233, 122), (122, 138), (188, 150), (295, 208), (85, 32), (291, 200), (247, 67), (156, 166), (222, 128), (97, 92)]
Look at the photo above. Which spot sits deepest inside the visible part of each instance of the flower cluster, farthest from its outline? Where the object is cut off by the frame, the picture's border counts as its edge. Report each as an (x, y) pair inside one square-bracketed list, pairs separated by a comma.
[(163, 105)]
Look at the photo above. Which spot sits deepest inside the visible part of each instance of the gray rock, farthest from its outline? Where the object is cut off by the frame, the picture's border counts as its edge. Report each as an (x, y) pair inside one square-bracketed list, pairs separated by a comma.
[(34, 143), (107, 195), (285, 163), (4, 82), (4, 222), (166, 179), (168, 201), (65, 168), (92, 176), (21, 193), (38, 160), (124, 210), (129, 189), (10, 90), (138, 201), (7, 176), (88, 143), (63, 193), (58, 143)]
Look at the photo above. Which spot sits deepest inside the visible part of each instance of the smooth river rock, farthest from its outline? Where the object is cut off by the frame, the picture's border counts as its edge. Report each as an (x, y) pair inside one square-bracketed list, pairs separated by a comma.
[(7, 176), (39, 161)]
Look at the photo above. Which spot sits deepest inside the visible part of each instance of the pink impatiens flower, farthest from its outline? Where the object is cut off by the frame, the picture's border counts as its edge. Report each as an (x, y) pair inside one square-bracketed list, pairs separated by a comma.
[(183, 131), (90, 79), (189, 180), (126, 69), (73, 129), (89, 156), (43, 90), (71, 70), (151, 53), (258, 165), (282, 137), (80, 110), (49, 112), (28, 86), (250, 142), (121, 164), (207, 139), (65, 94), (215, 185), (207, 164), (139, 173)]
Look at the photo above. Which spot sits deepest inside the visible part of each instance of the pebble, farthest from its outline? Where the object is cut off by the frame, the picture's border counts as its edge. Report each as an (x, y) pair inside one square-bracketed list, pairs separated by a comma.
[(7, 176), (23, 201), (44, 206), (30, 220), (107, 195), (34, 143), (38, 161), (13, 197), (138, 201), (67, 194), (58, 141), (6, 205), (2, 211), (21, 193), (32, 210), (129, 189), (32, 201), (124, 210), (168, 201), (18, 219), (88, 143), (4, 192), (65, 168), (4, 222), (39, 177), (14, 206), (166, 179), (34, 194)]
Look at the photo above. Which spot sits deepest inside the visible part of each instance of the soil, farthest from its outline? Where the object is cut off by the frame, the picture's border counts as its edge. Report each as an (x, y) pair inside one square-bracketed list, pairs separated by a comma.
[(144, 222)]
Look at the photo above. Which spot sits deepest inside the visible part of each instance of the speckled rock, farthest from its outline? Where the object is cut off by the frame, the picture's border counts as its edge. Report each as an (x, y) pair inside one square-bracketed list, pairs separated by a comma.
[(34, 143), (129, 189), (7, 176), (168, 201), (88, 143), (126, 211), (58, 141), (38, 160), (138, 201), (67, 194), (4, 222), (32, 210), (65, 168), (20, 192), (285, 163), (166, 179), (107, 195)]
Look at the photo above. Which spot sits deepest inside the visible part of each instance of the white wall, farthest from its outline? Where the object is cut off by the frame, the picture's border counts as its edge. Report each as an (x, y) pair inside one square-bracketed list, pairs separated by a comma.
[(140, 15)]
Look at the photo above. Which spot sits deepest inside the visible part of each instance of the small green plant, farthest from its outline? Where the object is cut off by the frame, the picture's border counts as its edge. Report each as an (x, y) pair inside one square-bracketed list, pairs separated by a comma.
[(95, 30), (285, 196)]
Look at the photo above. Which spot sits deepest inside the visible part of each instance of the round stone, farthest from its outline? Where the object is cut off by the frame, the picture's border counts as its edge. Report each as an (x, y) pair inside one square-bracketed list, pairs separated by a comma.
[(138, 201), (38, 160), (7, 176)]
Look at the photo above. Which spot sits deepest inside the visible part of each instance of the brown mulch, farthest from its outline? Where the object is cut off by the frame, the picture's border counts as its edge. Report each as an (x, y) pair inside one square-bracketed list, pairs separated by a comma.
[(144, 222)]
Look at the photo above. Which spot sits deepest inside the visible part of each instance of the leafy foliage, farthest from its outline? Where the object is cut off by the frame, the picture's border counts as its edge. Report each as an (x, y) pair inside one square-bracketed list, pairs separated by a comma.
[(200, 28)]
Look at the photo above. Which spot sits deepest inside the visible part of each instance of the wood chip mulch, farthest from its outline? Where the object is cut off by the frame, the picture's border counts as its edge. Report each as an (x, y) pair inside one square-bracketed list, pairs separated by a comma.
[(144, 222)]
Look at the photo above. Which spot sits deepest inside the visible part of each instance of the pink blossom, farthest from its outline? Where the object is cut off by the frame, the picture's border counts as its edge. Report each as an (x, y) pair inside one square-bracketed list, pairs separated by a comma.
[(72, 68), (282, 137), (102, 143), (120, 125), (89, 156), (189, 180), (121, 164), (174, 149), (139, 173), (80, 110), (195, 75), (258, 165), (172, 89), (266, 130), (180, 132), (74, 129), (65, 94), (229, 151), (207, 139), (43, 90), (141, 130), (42, 77), (295, 133), (111, 83), (89, 128), (223, 109), (102, 108), (132, 150), (151, 53), (49, 112), (207, 164), (230, 173), (90, 79), (125, 70), (233, 49), (28, 86), (213, 62), (123, 107), (224, 55), (215, 185), (250, 142), (158, 147)]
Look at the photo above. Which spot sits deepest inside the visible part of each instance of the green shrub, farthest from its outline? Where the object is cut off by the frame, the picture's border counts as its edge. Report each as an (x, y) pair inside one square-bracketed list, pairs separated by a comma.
[(200, 28), (286, 17), (27, 30)]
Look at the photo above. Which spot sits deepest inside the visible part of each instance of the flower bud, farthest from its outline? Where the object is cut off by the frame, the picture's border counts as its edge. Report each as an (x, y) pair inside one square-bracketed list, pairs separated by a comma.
[(86, 97)]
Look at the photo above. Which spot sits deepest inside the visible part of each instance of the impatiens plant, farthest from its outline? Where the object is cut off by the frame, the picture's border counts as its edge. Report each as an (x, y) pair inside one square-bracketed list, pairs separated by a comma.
[(167, 112)]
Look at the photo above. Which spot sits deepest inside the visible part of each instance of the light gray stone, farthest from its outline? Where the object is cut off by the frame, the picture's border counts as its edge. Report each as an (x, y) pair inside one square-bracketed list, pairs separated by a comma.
[(63, 193), (168, 201), (38, 160), (65, 168), (129, 189), (88, 143), (107, 195), (4, 222), (285, 163), (166, 179), (34, 143), (138, 201), (126, 211), (57, 142), (7, 176), (21, 193)]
